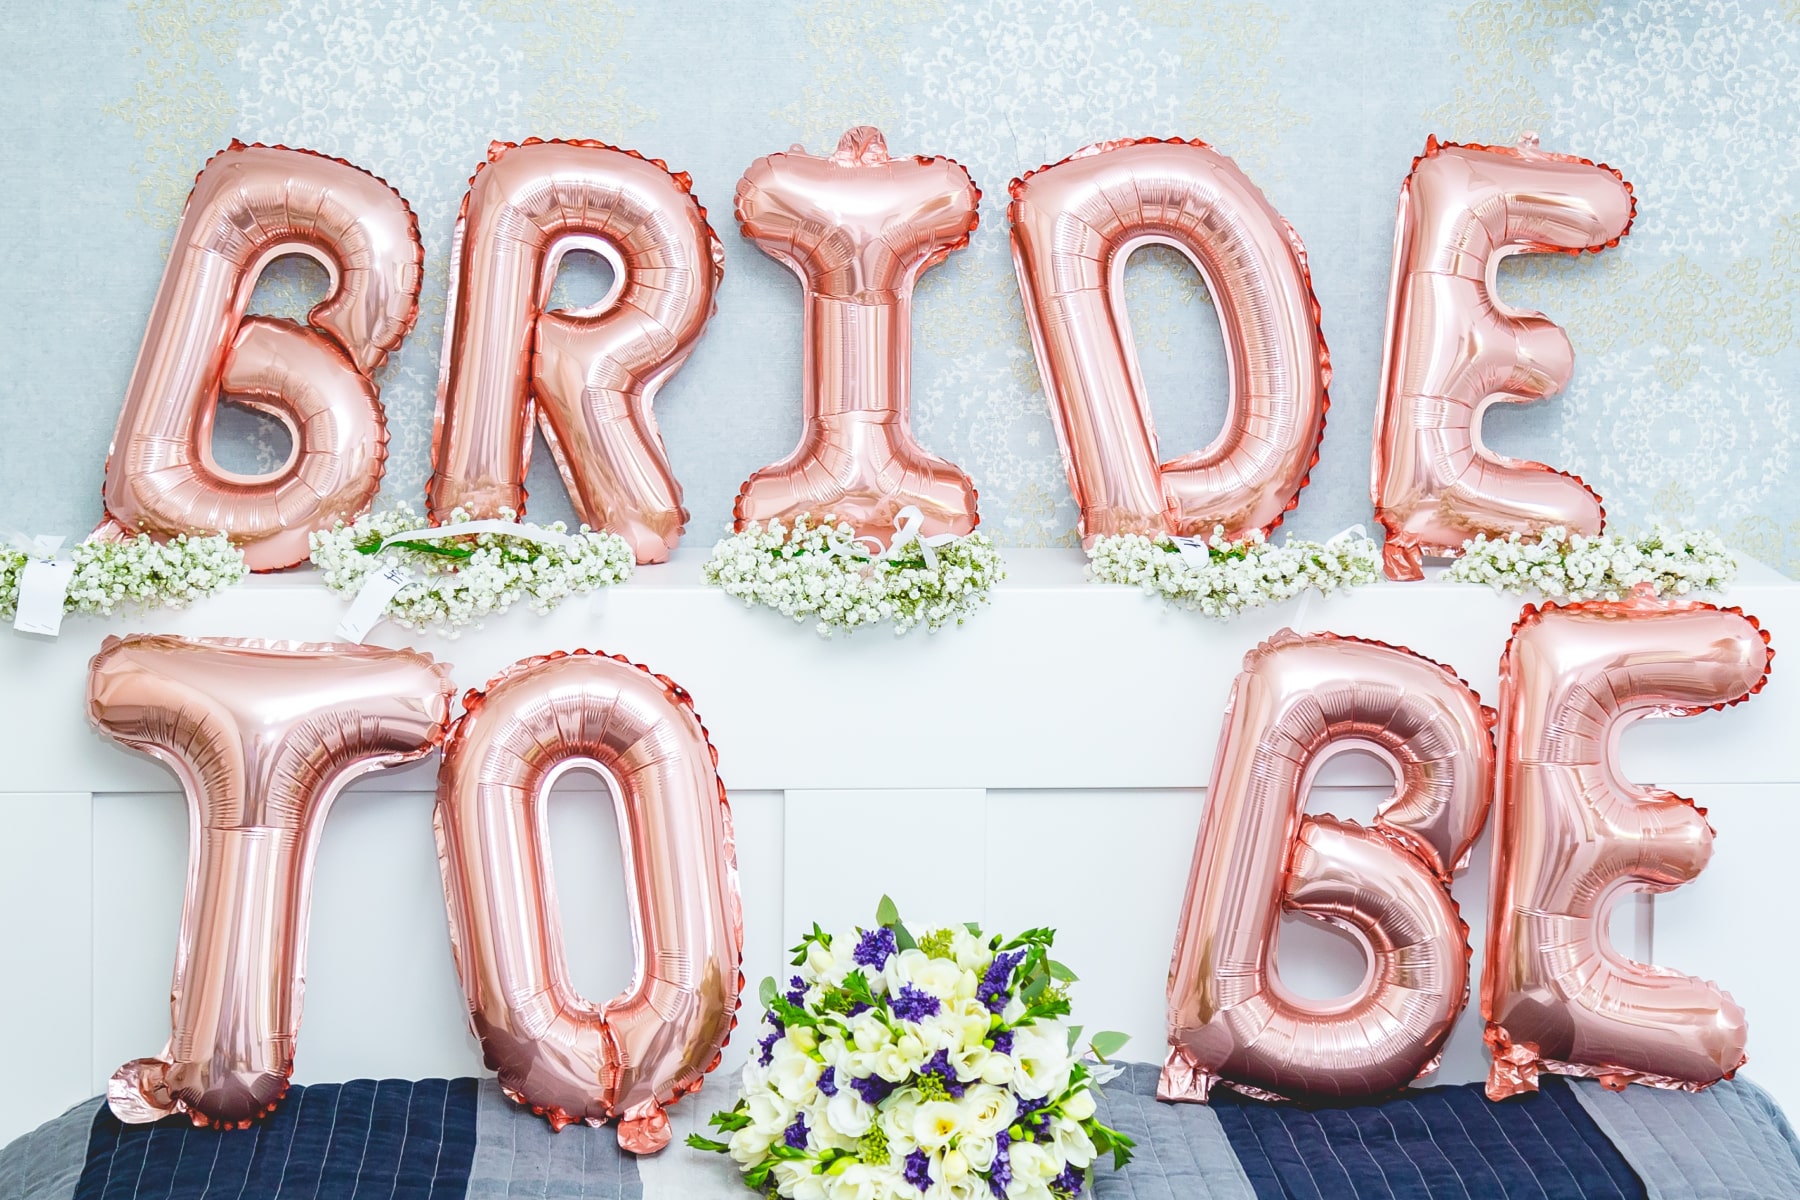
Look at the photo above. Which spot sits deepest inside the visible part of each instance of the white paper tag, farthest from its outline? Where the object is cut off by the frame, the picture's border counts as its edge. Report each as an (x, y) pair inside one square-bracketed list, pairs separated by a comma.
[(1194, 551), (370, 605), (43, 586)]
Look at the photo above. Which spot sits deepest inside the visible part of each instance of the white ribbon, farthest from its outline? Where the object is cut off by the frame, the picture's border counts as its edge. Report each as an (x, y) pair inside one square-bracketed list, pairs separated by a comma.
[(43, 584), (1343, 535), (911, 520), (42, 546)]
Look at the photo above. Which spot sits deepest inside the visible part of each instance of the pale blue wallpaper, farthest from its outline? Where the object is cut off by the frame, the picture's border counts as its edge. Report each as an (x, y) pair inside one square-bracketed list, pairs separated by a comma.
[(1686, 336)]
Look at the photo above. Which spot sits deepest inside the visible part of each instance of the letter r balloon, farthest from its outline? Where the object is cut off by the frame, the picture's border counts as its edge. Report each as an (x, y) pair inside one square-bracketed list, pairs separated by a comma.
[(1074, 226), (1571, 835), (1297, 701), (858, 228), (1453, 349), (593, 373), (263, 736)]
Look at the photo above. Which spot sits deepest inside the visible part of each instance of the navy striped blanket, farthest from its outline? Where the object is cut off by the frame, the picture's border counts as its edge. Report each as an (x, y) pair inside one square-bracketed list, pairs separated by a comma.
[(459, 1139)]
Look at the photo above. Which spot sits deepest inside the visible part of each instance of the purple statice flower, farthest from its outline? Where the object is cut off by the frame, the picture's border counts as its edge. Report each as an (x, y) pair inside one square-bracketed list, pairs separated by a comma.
[(796, 994), (828, 1082), (875, 948), (992, 991), (1000, 1172), (914, 1004), (1003, 1042), (1032, 1116), (796, 1133), (918, 1170), (858, 1007), (873, 1088), (767, 1045), (939, 1065), (1069, 1182)]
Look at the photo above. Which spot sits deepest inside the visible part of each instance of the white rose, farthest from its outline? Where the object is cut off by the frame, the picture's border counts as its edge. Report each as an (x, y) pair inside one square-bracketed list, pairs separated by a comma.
[(998, 1069), (987, 1110), (935, 975), (892, 1065), (868, 1032), (797, 1181), (848, 1114), (1080, 1106), (858, 1181), (936, 1123), (977, 1149), (749, 1144), (1032, 1161), (792, 1072), (768, 1112)]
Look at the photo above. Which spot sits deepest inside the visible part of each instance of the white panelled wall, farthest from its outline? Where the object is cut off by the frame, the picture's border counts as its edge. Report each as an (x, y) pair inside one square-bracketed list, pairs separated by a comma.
[(1044, 764)]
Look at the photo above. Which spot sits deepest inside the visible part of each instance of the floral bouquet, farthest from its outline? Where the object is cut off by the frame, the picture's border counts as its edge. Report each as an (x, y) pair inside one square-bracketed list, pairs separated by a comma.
[(818, 569), (456, 578), (897, 1067)]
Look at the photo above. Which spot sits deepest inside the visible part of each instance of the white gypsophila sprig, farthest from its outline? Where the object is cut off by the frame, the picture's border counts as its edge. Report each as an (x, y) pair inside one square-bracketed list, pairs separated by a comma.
[(137, 572), (463, 579), (818, 570), (1237, 575), (1569, 566)]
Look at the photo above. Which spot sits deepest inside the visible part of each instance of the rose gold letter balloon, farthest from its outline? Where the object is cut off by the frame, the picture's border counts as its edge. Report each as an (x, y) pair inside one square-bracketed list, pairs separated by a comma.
[(1074, 226), (858, 228), (594, 371), (251, 205), (1299, 700), (565, 1057), (1572, 835), (1453, 349), (263, 736)]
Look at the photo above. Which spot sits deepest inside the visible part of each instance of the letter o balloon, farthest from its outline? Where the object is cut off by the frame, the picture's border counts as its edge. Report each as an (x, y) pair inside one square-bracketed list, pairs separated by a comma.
[(563, 1056)]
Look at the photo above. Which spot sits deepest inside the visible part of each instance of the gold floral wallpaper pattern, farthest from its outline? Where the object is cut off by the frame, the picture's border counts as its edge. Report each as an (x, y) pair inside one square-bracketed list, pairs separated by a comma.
[(1687, 335)]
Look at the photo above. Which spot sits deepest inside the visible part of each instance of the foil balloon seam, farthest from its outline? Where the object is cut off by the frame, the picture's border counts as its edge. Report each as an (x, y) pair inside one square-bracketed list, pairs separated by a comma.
[(1642, 599), (412, 218), (1016, 189), (1434, 147)]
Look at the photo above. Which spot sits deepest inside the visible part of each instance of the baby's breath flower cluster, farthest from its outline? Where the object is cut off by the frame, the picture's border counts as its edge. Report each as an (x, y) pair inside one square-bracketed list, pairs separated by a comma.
[(817, 570), (1236, 575), (1573, 567), (138, 572), (898, 1067), (463, 579)]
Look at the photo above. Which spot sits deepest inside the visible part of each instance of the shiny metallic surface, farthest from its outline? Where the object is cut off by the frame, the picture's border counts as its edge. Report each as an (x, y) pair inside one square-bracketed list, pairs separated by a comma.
[(858, 228), (1074, 225), (1572, 836), (1452, 347), (263, 736), (594, 372), (566, 1057), (250, 205), (1298, 700)]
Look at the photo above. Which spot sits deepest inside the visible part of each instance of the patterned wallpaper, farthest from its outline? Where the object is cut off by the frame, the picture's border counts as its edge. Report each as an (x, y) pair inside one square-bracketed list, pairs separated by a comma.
[(1687, 336)]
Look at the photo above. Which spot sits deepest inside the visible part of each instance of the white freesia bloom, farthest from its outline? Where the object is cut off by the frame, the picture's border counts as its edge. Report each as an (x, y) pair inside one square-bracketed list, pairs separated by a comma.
[(936, 1123)]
